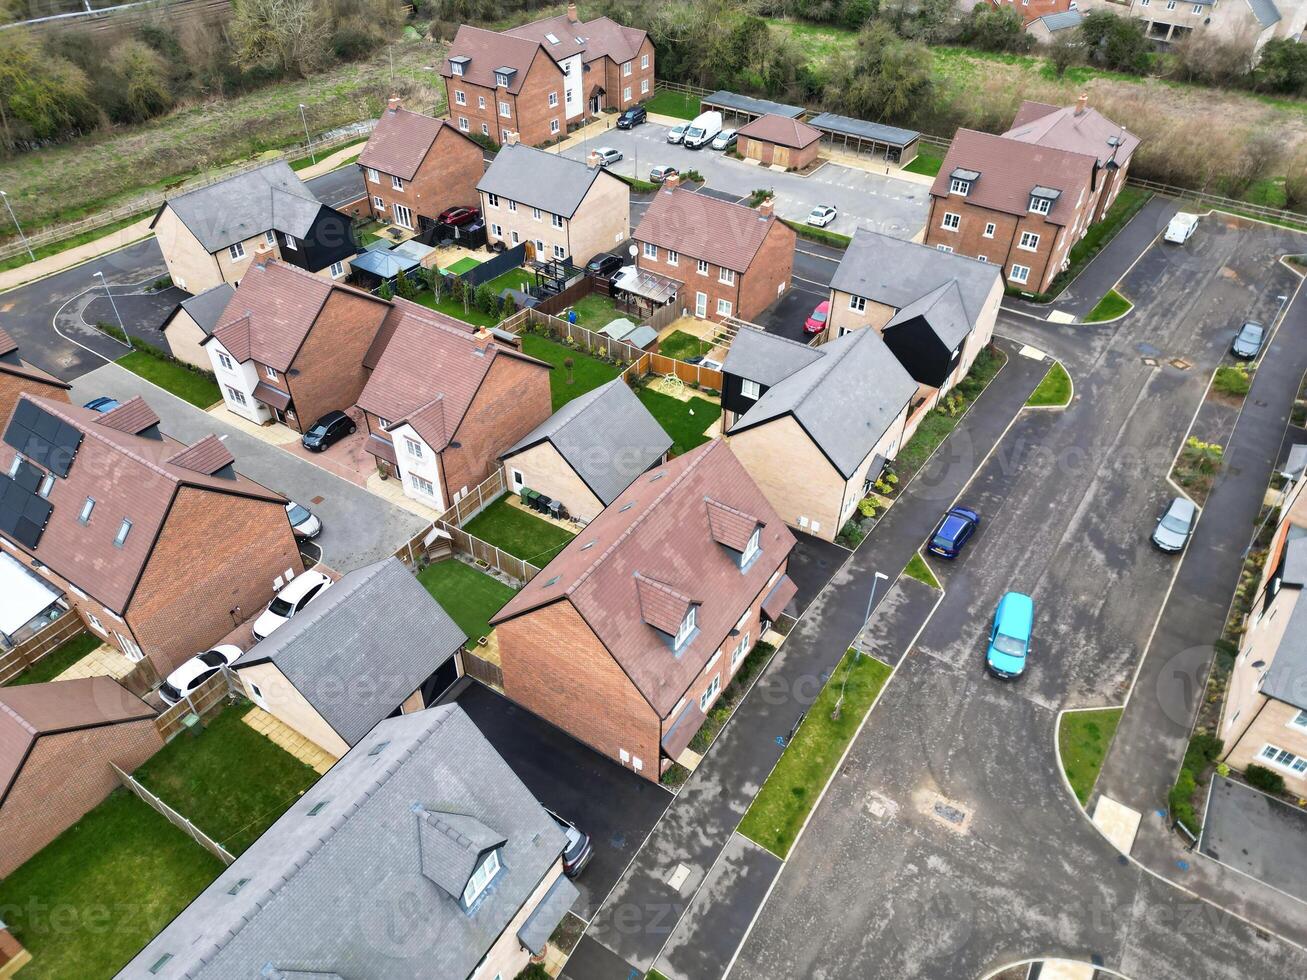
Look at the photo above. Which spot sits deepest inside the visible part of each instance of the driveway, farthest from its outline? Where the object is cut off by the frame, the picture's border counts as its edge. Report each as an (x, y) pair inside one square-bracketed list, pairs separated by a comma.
[(613, 805), (1256, 834), (357, 527), (813, 563)]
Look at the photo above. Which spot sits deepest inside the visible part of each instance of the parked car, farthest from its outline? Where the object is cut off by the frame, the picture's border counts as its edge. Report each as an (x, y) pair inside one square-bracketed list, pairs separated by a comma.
[(677, 132), (818, 318), (293, 597), (185, 679), (658, 174), (604, 265), (458, 215), (632, 117), (1009, 637), (608, 155), (954, 530), (303, 521), (578, 851), (1176, 526), (327, 431), (822, 215), (1247, 343), (725, 139), (1181, 227), (102, 404)]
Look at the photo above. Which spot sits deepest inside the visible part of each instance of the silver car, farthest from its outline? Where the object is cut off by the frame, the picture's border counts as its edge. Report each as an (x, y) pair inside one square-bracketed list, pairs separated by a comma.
[(724, 140), (677, 133), (608, 155), (1176, 526)]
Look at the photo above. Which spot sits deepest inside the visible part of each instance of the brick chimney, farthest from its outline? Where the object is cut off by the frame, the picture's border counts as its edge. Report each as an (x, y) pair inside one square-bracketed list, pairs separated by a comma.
[(1082, 104), (767, 207), (593, 160), (571, 13), (672, 182), (394, 103), (263, 252), (511, 139)]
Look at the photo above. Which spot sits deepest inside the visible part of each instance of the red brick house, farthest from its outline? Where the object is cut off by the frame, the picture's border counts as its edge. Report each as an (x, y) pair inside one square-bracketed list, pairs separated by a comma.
[(1022, 199), (729, 259), (415, 166), (18, 376), (628, 636), (1031, 10), (160, 547), (290, 345), (57, 741), (444, 401)]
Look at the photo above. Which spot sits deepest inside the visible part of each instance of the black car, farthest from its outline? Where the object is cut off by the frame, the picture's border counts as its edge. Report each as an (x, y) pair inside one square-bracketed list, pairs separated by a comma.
[(578, 851), (632, 117), (1247, 343), (603, 266), (327, 431)]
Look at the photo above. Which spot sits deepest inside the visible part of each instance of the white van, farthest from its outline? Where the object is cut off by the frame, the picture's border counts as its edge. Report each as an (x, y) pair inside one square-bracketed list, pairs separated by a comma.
[(703, 130), (1181, 227)]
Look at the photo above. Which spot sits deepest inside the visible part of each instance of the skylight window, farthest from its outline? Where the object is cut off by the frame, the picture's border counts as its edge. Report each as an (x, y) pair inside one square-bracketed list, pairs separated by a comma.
[(552, 581), (378, 748), (317, 808), (124, 529), (551, 38)]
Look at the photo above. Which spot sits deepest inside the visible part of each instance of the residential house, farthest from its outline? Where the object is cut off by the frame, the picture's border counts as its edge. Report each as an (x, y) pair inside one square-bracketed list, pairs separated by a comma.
[(779, 142), (290, 346), (209, 235), (1022, 199), (540, 79), (730, 260), (160, 547), (192, 321), (375, 644), (444, 401), (589, 451), (628, 636), (1049, 27), (59, 742), (18, 377), (564, 208), (1250, 23), (414, 167), (419, 854), (814, 426), (1032, 10)]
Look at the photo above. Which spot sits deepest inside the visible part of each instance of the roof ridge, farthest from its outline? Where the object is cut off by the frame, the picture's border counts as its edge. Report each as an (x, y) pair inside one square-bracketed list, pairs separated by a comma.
[(27, 725), (98, 432)]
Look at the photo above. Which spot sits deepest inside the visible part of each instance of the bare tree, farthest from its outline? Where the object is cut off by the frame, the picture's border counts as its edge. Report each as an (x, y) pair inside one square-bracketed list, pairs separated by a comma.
[(288, 36)]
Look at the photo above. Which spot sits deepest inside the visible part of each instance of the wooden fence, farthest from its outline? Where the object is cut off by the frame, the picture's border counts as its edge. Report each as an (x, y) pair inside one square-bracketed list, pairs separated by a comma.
[(579, 288), (485, 553), (204, 701), (23, 655), (587, 340), (475, 500), (662, 366), (175, 818), (480, 669)]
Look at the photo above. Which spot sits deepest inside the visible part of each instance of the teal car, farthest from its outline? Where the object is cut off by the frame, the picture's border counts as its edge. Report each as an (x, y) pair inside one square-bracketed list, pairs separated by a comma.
[(1009, 637)]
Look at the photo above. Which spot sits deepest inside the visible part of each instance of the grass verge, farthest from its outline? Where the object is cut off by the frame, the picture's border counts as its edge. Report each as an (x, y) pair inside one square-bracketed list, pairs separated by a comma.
[(469, 596), (518, 532), (197, 387), (720, 712), (678, 104), (1109, 307), (1203, 750), (927, 162), (1082, 741), (54, 248), (779, 810), (1054, 391), (918, 569), (58, 660), (685, 421), (585, 374)]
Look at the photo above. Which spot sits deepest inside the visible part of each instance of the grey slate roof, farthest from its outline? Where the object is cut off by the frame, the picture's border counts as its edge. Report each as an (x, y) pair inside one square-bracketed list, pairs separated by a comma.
[(750, 106), (342, 891), (538, 179), (845, 400), (943, 309), (1286, 678), (451, 845), (767, 358), (1296, 465), (1295, 562), (607, 436), (1062, 20), (833, 122), (1265, 11), (540, 924), (248, 204), (206, 308), (362, 647)]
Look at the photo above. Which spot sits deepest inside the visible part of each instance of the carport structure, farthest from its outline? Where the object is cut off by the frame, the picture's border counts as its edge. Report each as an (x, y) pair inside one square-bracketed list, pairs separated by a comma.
[(859, 136), (738, 110)]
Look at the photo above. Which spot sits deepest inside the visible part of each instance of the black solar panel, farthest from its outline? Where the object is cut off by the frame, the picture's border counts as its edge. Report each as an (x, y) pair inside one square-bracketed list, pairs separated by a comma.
[(23, 514), (41, 437), (28, 476)]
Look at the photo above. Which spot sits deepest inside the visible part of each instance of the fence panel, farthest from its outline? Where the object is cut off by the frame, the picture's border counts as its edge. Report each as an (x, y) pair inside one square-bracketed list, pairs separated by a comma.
[(555, 304), (483, 670), (23, 655), (204, 701), (505, 261), (485, 553), (175, 818)]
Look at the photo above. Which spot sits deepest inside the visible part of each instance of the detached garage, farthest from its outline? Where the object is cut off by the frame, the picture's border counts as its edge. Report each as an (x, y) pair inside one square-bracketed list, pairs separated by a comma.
[(777, 141)]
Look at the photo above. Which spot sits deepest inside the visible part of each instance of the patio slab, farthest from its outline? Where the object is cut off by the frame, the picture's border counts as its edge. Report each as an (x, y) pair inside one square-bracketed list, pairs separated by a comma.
[(285, 737), (103, 661)]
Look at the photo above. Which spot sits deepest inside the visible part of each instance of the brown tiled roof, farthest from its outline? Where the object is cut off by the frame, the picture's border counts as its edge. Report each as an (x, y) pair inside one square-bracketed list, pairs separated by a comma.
[(11, 363), (207, 456), (730, 526), (133, 416), (703, 227), (782, 131), (489, 50), (7, 343), (401, 141), (601, 37), (128, 476), (1090, 132), (1010, 169), (649, 553)]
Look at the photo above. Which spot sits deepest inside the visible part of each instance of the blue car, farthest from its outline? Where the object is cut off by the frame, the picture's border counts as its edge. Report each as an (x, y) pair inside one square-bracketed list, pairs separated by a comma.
[(102, 404), (954, 530), (1009, 637)]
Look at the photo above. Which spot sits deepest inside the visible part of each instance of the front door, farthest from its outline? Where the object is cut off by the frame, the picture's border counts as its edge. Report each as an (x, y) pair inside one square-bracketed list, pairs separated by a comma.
[(403, 216), (701, 304), (594, 105), (780, 156)]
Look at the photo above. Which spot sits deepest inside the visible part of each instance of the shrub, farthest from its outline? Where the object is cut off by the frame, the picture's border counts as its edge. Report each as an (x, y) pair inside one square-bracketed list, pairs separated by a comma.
[(867, 507), (1259, 777), (852, 534), (1232, 380)]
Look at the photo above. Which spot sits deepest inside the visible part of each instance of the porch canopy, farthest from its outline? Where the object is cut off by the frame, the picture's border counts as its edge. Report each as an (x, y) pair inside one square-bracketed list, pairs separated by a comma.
[(862, 136), (657, 289), (728, 103), (23, 597)]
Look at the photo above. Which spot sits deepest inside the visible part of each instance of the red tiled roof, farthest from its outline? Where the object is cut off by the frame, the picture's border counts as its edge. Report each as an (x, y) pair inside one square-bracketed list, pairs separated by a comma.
[(1089, 132), (7, 343), (782, 131), (207, 456), (489, 50), (133, 416), (601, 37), (729, 526), (401, 141), (11, 363), (703, 227), (649, 554)]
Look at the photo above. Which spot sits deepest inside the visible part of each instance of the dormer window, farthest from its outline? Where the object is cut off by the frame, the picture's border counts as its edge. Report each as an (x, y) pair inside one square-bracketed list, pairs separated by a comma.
[(961, 179), (688, 625), (481, 877), (1042, 199), (957, 186), (502, 78), (752, 548), (1040, 205), (458, 66)]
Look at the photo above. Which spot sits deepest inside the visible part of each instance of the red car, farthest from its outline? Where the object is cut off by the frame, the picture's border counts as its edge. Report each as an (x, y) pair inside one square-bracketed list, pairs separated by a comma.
[(457, 216), (816, 321)]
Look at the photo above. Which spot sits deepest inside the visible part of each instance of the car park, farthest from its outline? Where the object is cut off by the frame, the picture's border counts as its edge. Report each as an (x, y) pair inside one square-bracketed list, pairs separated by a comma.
[(632, 117), (725, 139), (303, 521), (458, 215), (817, 319), (1180, 228), (659, 174), (604, 265), (1247, 343), (677, 133), (291, 599), (1176, 526), (1009, 637), (183, 681), (577, 851), (822, 215), (327, 431), (953, 531), (102, 404)]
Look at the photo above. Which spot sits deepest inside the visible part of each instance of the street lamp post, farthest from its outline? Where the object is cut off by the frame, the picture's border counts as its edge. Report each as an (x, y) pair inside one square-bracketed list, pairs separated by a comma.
[(112, 302), (308, 141), (857, 651), (30, 254)]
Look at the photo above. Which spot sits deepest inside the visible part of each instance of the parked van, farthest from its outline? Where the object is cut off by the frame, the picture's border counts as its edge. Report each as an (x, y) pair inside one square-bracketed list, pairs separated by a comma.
[(1181, 227), (703, 130)]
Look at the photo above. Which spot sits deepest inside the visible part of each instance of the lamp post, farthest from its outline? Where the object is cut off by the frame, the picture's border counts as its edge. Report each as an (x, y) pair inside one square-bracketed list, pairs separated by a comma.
[(121, 326), (30, 254), (307, 139), (857, 652)]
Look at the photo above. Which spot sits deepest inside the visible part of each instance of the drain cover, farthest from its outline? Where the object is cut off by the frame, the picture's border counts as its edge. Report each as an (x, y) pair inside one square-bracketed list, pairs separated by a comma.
[(1149, 361), (950, 813), (1180, 362), (677, 878), (317, 500)]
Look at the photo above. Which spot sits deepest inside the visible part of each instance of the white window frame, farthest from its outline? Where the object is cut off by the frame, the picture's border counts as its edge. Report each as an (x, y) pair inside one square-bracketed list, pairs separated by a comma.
[(688, 625), (271, 372), (750, 389), (1023, 278), (481, 878), (505, 110), (421, 484), (857, 304), (234, 394), (397, 182), (959, 186), (673, 257), (413, 447), (553, 100), (481, 101), (626, 69), (650, 250), (535, 214), (990, 228), (725, 307), (644, 61), (379, 204), (944, 248), (709, 694), (460, 97), (492, 200), (726, 276), (752, 548), (644, 86), (337, 270), (702, 267), (501, 79), (741, 649), (226, 361), (560, 252), (497, 230), (236, 250), (553, 127), (289, 243), (1029, 241), (271, 238), (952, 221), (556, 220), (626, 94), (1298, 721), (1040, 205), (402, 215), (1283, 759), (512, 207), (456, 68), (373, 176)]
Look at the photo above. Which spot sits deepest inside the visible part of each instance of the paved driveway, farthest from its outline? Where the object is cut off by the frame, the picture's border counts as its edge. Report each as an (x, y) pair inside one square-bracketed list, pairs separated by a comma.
[(1258, 835), (357, 527)]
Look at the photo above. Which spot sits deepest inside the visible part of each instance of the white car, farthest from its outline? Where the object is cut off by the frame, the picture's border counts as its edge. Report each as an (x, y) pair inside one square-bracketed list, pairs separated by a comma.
[(1181, 227), (608, 155), (822, 215), (303, 521), (292, 598), (185, 679), (677, 133)]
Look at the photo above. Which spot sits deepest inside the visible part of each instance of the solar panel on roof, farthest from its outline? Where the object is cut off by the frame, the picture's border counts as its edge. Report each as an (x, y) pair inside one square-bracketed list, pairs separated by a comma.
[(43, 438), (23, 514), (28, 476)]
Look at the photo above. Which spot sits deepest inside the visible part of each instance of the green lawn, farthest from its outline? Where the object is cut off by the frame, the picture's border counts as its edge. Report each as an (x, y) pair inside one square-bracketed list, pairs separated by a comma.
[(469, 596), (462, 266), (229, 780), (102, 889), (683, 346), (685, 421), (512, 279), (518, 532), (198, 388), (1109, 307), (587, 372), (790, 792), (1054, 390), (454, 308), (674, 104), (1082, 739), (918, 569), (58, 660), (928, 160), (594, 312)]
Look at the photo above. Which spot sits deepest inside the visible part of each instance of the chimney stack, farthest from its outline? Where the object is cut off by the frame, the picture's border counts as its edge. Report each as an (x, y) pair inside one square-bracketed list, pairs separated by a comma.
[(262, 252), (1082, 104), (672, 182), (593, 160), (767, 207), (394, 103), (571, 13), (511, 139)]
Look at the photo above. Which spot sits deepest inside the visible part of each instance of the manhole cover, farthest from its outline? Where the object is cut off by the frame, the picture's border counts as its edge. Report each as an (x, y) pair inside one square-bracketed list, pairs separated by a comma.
[(947, 813), (317, 500), (1149, 361), (950, 813), (1180, 362)]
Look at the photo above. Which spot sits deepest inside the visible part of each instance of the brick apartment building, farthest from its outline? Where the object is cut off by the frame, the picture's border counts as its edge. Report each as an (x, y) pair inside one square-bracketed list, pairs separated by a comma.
[(414, 167), (18, 376), (730, 260), (627, 638), (539, 79), (1022, 199), (160, 547)]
